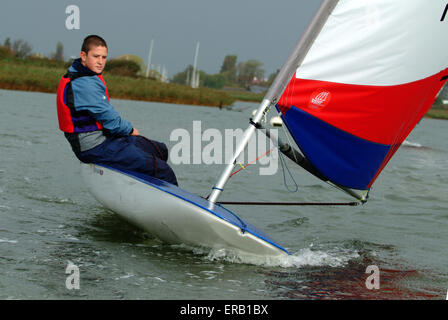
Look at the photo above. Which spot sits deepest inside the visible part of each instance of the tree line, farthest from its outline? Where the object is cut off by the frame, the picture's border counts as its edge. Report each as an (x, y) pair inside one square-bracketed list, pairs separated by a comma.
[(21, 50), (231, 74)]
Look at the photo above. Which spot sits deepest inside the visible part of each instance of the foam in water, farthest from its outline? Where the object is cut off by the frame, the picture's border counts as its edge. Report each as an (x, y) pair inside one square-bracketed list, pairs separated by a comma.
[(412, 144), (304, 257), (8, 241)]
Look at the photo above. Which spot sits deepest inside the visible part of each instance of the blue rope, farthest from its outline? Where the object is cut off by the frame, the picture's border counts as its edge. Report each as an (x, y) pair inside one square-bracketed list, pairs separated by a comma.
[(243, 224)]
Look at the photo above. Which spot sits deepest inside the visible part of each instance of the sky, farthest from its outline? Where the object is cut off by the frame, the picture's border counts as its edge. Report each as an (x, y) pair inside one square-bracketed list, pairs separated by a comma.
[(264, 30)]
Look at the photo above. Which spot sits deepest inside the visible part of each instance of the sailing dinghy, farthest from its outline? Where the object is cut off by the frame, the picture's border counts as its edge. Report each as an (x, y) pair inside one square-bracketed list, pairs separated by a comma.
[(358, 81)]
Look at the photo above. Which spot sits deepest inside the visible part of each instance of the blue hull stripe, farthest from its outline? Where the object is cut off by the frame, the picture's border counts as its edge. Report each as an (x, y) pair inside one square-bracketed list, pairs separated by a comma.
[(343, 158)]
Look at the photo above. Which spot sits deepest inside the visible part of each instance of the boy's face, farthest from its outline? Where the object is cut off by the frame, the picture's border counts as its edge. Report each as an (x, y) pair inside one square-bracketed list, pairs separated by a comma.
[(95, 59)]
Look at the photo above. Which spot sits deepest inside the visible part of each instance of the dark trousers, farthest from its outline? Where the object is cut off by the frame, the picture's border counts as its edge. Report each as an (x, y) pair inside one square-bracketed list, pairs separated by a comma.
[(134, 154)]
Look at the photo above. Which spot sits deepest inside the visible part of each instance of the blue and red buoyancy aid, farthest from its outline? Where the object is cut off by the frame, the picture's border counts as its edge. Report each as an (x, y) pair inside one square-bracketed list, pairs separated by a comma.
[(70, 120)]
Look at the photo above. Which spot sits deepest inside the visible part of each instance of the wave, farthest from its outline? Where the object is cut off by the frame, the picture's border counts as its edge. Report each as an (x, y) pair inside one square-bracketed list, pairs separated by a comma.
[(48, 199)]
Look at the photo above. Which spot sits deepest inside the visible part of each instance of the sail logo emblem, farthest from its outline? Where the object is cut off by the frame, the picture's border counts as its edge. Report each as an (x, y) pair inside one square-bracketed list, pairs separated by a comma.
[(320, 98)]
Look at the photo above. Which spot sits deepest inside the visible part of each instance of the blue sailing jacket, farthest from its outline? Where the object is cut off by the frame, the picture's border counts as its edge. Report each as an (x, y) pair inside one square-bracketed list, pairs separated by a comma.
[(90, 94)]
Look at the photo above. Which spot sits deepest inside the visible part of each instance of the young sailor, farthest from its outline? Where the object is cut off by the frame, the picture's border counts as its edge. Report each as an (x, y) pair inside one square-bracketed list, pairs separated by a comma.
[(95, 130)]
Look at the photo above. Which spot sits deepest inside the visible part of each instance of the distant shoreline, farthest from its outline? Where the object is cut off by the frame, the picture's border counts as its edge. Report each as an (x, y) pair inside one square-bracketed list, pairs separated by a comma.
[(434, 113), (437, 113), (27, 77)]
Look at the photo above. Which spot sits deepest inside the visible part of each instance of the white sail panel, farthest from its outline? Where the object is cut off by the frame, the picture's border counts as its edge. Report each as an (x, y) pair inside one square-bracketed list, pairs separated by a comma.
[(379, 42)]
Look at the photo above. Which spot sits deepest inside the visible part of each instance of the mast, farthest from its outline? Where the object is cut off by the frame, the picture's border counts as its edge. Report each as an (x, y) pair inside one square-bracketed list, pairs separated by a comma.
[(164, 74), (278, 86), (194, 77), (148, 68)]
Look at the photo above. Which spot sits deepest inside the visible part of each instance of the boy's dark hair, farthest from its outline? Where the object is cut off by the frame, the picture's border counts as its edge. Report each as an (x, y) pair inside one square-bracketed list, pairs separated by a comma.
[(92, 40)]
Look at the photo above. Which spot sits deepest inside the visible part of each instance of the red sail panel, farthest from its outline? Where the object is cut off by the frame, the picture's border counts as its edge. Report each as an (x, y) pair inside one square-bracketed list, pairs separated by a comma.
[(381, 114)]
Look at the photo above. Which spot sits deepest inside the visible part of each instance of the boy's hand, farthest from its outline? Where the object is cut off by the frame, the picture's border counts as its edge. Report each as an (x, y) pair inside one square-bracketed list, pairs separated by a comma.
[(135, 132)]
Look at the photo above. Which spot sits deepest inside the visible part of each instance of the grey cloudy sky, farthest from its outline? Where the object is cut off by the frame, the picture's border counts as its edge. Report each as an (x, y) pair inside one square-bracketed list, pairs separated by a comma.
[(265, 30)]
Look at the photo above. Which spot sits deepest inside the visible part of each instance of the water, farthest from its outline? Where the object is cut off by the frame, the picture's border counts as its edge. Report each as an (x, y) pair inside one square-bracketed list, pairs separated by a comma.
[(48, 219)]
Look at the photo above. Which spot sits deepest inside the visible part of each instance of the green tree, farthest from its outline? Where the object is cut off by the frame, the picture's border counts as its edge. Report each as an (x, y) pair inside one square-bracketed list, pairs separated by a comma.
[(183, 77), (59, 55), (138, 60), (249, 70), (7, 43), (216, 81), (5, 52), (228, 68), (127, 68), (21, 48)]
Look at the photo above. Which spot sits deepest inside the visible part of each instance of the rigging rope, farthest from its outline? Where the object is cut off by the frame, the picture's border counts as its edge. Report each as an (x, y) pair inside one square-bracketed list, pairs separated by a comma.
[(252, 162), (245, 166), (291, 203), (284, 165)]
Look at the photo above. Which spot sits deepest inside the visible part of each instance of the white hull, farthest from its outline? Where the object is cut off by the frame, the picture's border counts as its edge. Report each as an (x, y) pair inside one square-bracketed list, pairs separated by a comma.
[(174, 215)]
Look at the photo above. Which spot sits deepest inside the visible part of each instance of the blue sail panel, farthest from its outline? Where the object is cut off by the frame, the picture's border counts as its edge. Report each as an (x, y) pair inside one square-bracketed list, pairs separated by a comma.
[(343, 158)]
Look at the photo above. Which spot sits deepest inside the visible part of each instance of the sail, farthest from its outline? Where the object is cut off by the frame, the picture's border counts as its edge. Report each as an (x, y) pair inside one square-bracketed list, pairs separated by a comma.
[(370, 75)]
